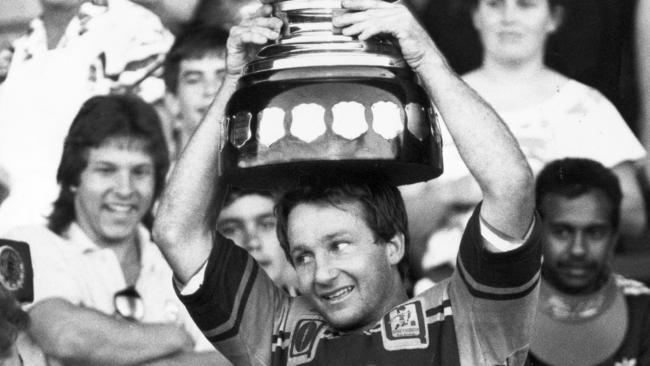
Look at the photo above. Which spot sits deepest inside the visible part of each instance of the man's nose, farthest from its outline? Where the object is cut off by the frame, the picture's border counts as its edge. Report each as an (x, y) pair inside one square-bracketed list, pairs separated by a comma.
[(124, 184), (251, 239), (211, 87), (325, 271), (578, 245), (508, 11)]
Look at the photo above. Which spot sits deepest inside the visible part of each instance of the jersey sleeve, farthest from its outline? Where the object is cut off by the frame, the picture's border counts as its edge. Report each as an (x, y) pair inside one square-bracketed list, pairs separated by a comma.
[(237, 305), (494, 297)]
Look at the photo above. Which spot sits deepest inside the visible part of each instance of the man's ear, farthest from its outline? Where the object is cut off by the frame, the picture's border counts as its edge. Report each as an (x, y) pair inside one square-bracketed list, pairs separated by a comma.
[(395, 249), (612, 246), (172, 104), (473, 14), (557, 13)]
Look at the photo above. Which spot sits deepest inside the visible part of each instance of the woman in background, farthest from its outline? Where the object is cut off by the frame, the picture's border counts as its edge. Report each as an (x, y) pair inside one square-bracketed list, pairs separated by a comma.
[(551, 115)]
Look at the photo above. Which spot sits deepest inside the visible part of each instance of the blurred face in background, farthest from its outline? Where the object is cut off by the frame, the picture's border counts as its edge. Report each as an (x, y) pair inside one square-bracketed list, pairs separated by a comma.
[(198, 82), (514, 31), (5, 62), (578, 239), (250, 222), (115, 191), (62, 4)]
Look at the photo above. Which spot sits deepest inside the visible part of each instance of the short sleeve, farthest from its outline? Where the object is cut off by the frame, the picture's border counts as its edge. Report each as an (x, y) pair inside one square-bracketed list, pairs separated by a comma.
[(588, 125), (53, 276)]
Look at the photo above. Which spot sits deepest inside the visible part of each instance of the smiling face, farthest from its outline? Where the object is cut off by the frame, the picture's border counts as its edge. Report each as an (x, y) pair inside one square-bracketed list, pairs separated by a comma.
[(578, 239), (249, 221), (115, 191), (198, 82), (350, 277), (513, 31)]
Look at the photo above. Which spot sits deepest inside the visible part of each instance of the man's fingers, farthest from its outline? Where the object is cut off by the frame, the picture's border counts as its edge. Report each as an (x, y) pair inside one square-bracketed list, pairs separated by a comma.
[(272, 23), (262, 11), (365, 4), (364, 30), (345, 19)]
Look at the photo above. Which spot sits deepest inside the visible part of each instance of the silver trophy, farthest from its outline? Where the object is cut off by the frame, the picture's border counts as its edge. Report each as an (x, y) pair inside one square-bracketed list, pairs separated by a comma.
[(317, 100)]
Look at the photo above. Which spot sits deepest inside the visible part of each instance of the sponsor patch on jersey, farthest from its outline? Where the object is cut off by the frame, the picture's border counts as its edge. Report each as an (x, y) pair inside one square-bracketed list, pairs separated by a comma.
[(405, 327), (304, 340)]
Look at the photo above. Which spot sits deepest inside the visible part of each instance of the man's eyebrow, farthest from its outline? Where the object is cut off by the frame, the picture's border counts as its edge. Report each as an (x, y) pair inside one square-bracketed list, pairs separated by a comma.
[(265, 216), (298, 249), (101, 162), (191, 73), (228, 220)]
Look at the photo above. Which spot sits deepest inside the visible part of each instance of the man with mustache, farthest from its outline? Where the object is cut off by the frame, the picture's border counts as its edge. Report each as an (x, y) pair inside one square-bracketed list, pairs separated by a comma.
[(587, 315), (346, 235)]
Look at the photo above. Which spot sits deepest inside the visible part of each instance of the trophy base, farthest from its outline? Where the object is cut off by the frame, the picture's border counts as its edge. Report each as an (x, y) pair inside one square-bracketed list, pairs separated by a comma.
[(287, 175)]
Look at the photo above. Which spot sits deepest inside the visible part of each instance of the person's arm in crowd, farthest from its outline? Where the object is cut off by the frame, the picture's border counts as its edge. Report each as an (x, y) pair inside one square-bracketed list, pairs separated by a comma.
[(79, 335), (642, 38), (485, 144), (173, 14), (633, 206), (191, 358), (182, 229)]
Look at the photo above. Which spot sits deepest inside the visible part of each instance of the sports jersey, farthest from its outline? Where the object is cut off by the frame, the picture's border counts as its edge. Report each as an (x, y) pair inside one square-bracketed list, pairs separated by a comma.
[(480, 316), (635, 349)]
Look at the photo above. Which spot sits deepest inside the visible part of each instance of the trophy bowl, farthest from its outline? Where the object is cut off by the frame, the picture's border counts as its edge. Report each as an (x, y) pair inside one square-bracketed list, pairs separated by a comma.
[(316, 101)]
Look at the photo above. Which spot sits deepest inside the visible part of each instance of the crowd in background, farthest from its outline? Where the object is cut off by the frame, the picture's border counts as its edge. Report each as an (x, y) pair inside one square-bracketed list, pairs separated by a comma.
[(98, 99)]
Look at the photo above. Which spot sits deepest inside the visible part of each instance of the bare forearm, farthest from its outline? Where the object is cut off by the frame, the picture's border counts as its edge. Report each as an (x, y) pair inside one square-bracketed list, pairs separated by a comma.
[(486, 146), (192, 358), (80, 335), (633, 209), (642, 30), (182, 230)]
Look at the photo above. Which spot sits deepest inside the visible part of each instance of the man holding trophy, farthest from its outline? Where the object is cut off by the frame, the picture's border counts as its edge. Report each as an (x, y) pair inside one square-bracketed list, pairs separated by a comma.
[(346, 235)]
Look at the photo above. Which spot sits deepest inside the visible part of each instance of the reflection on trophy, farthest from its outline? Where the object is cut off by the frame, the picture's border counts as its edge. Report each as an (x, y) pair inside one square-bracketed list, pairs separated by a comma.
[(316, 99)]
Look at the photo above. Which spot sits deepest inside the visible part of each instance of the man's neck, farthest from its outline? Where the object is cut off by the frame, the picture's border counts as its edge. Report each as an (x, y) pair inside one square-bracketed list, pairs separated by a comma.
[(129, 255), (56, 20), (513, 73), (128, 252)]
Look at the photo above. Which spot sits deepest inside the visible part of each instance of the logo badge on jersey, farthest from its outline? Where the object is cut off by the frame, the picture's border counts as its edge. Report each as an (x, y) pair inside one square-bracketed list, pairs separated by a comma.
[(405, 327), (304, 340)]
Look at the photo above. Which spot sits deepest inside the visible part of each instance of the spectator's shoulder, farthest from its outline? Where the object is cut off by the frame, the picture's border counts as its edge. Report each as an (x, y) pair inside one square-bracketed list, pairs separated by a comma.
[(586, 93), (631, 287), (34, 235)]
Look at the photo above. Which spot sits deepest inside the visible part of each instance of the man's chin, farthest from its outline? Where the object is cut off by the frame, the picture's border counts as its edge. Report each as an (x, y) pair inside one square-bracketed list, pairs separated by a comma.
[(574, 284)]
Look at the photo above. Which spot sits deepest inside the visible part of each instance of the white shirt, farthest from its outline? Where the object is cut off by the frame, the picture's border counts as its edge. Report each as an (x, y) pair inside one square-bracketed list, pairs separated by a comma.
[(76, 269)]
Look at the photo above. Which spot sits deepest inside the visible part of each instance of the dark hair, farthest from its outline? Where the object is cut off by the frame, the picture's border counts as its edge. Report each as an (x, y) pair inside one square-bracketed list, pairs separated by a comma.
[(102, 118), (381, 203), (235, 193), (572, 177), (12, 320), (194, 42), (472, 4)]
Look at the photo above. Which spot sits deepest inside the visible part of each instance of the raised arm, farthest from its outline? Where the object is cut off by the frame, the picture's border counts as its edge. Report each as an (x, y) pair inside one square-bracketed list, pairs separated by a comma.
[(486, 145), (182, 229)]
